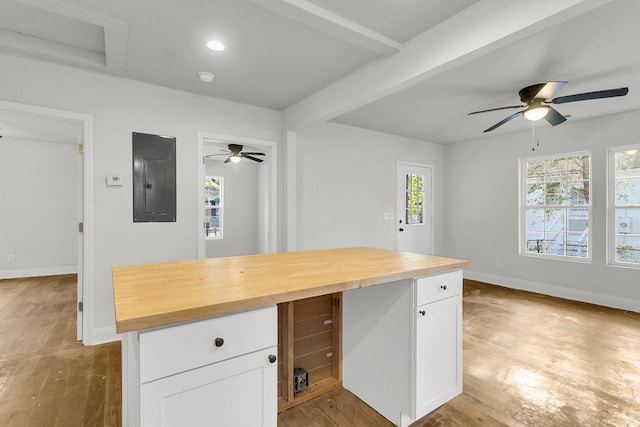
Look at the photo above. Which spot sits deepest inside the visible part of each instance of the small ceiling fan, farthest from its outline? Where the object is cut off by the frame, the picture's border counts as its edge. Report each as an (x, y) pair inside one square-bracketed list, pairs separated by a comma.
[(537, 99), (235, 154)]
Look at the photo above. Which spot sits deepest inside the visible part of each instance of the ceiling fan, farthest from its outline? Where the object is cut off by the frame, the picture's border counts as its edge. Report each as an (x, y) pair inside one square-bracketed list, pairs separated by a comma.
[(235, 154), (537, 99)]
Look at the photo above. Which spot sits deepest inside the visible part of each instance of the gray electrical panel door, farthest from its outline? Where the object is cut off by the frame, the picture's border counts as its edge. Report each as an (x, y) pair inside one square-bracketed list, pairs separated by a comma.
[(154, 178)]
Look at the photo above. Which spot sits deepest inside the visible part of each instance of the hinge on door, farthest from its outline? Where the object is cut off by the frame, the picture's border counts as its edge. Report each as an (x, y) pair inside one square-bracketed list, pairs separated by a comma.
[(81, 227), (80, 306), (80, 148)]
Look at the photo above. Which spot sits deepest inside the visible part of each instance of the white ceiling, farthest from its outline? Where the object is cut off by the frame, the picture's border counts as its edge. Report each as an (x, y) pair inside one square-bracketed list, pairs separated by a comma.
[(408, 67)]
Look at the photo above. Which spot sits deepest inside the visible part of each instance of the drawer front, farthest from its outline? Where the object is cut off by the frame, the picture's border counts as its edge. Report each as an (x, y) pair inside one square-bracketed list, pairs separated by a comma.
[(174, 349), (437, 287)]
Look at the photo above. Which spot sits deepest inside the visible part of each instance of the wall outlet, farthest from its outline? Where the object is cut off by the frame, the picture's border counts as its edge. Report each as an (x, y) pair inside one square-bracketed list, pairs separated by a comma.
[(498, 263), (11, 258)]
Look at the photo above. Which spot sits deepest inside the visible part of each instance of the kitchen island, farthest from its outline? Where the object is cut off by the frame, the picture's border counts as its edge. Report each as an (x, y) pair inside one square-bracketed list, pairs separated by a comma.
[(200, 337)]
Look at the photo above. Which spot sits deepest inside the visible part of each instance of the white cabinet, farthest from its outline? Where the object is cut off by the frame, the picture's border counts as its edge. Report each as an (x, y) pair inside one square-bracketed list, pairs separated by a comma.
[(438, 354), (236, 392), (402, 345), (220, 371)]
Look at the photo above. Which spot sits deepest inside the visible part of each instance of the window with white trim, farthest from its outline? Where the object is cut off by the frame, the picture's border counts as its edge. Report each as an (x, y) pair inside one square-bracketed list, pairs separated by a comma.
[(624, 206), (556, 206)]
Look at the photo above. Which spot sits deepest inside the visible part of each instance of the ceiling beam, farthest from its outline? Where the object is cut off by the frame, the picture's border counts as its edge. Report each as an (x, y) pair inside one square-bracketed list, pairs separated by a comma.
[(482, 28), (328, 22)]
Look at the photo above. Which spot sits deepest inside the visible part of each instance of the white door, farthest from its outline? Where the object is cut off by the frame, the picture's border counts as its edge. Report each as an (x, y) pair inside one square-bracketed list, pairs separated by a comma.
[(414, 208)]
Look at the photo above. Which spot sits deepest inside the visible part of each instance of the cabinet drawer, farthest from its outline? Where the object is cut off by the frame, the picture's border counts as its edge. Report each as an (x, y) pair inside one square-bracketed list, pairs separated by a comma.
[(175, 349), (437, 287)]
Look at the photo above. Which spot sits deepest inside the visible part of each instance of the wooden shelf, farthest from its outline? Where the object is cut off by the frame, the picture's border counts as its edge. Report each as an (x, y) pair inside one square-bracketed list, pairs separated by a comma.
[(309, 337)]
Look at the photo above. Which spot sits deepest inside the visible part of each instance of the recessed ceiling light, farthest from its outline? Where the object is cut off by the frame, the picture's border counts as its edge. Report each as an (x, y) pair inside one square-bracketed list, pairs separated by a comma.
[(215, 45), (206, 76)]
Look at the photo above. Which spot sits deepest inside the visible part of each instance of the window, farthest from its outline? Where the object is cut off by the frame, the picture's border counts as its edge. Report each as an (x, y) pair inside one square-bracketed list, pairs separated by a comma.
[(414, 203), (213, 207), (624, 206), (556, 206)]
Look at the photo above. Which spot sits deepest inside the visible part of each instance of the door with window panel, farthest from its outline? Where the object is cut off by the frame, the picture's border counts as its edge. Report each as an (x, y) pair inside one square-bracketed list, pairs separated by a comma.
[(414, 208)]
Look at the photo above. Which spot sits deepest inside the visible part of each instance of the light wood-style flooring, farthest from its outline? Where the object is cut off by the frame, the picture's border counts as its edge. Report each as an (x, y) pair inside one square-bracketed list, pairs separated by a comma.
[(529, 360), (47, 379)]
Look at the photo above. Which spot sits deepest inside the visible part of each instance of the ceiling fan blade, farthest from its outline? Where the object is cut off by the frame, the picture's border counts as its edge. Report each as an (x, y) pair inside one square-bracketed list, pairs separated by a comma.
[(508, 119), (255, 159), (590, 95), (253, 154), (553, 117), (496, 109), (228, 160), (549, 90), (221, 154)]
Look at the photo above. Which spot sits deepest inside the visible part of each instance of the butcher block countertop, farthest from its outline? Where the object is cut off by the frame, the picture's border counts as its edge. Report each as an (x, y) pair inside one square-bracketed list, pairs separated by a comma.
[(152, 295)]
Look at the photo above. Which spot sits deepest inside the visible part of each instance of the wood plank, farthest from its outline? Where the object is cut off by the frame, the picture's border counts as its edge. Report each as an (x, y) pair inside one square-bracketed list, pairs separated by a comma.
[(314, 360), (312, 307), (336, 344), (312, 344), (315, 325), (152, 295)]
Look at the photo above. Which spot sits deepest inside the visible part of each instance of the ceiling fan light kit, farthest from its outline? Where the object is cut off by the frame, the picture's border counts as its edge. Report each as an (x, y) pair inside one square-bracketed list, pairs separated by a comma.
[(535, 113), (538, 97)]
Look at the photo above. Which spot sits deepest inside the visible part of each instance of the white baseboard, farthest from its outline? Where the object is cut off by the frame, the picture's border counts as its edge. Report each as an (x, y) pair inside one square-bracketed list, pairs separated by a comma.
[(556, 291), (101, 336), (36, 272)]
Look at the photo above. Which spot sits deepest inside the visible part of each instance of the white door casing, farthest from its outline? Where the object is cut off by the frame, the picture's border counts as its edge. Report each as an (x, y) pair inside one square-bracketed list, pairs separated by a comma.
[(414, 208)]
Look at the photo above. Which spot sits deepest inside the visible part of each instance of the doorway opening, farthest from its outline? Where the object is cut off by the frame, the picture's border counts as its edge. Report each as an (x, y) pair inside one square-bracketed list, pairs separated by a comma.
[(57, 144), (237, 200)]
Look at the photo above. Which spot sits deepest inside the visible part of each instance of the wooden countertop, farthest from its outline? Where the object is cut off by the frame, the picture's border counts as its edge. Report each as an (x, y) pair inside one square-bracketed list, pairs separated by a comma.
[(151, 295)]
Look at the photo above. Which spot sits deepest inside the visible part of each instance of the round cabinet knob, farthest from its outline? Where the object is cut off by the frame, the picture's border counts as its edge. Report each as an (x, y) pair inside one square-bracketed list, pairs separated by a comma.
[(218, 342), (443, 287), (424, 313), (272, 358)]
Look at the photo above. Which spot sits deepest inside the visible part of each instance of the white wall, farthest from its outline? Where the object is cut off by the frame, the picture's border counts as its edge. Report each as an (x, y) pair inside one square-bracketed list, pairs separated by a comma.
[(39, 214), (482, 212), (240, 209), (120, 107), (346, 181)]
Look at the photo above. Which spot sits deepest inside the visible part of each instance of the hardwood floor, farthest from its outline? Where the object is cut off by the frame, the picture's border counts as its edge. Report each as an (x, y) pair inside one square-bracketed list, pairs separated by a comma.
[(529, 360), (46, 377)]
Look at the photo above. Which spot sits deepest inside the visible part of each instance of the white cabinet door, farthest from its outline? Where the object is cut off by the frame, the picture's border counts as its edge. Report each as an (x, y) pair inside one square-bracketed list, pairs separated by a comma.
[(237, 392), (438, 354)]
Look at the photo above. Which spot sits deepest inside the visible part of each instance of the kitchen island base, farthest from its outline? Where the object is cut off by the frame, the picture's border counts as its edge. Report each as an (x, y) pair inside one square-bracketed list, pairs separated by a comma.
[(401, 340)]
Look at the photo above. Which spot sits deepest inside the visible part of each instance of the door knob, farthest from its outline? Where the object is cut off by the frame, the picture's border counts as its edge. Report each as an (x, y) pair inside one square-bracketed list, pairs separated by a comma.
[(443, 287), (400, 229), (424, 313), (218, 342), (272, 358)]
